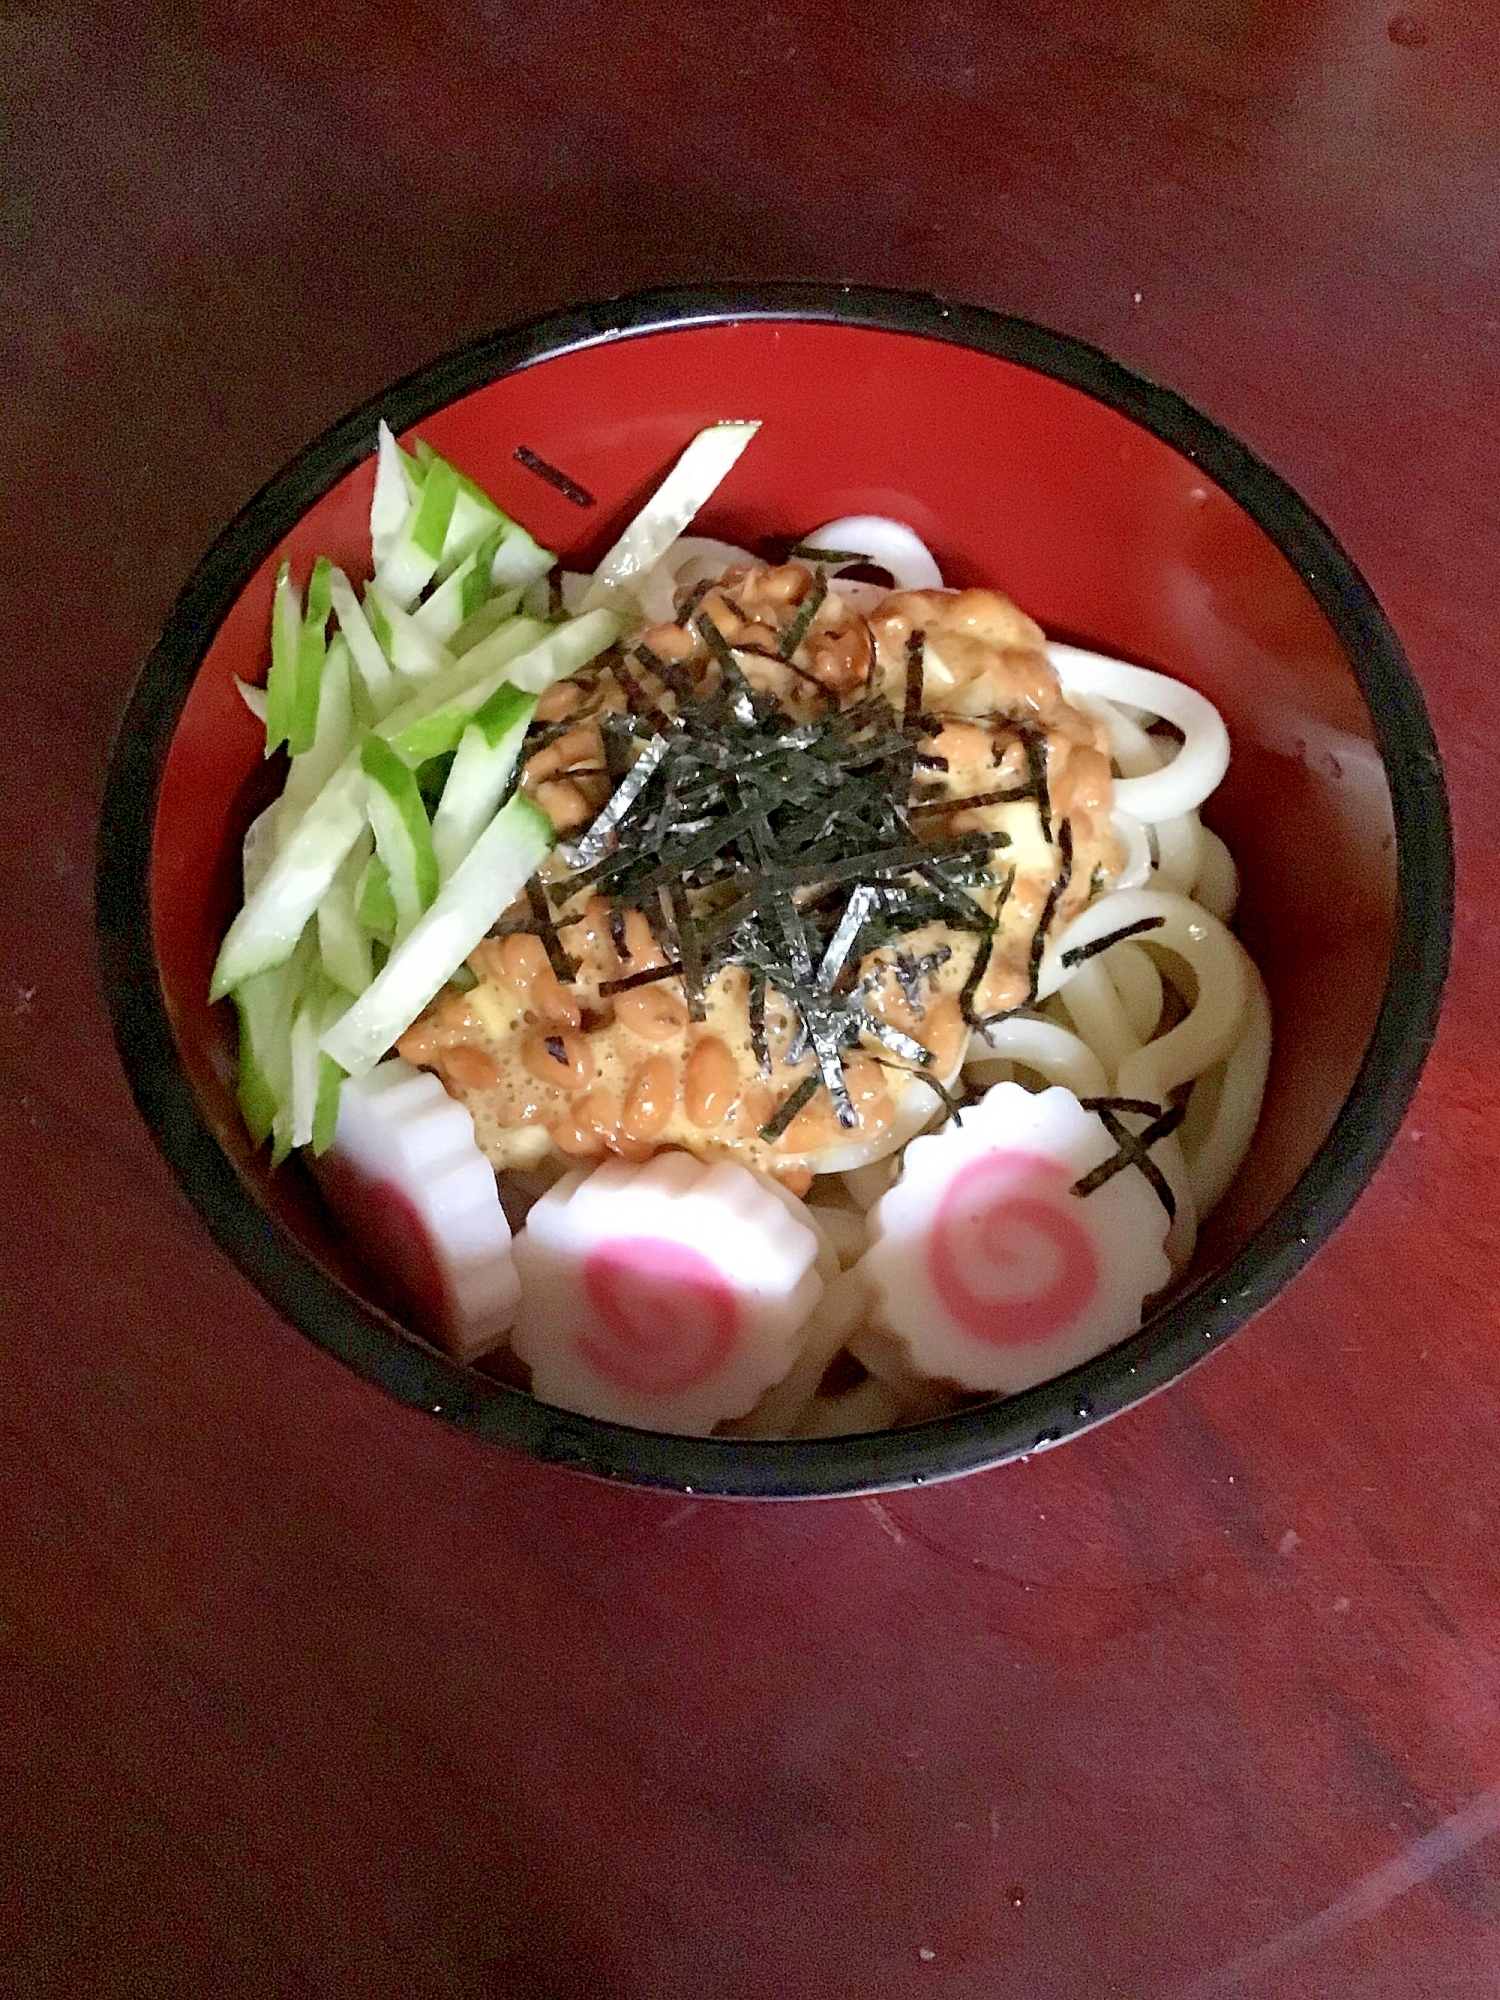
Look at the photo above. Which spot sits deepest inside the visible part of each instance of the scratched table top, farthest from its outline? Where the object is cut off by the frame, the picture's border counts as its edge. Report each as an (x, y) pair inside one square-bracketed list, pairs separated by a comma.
[(305, 1695)]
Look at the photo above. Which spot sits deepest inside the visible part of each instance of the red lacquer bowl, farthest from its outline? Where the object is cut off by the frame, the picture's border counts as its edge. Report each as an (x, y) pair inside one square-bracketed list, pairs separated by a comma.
[(1117, 516)]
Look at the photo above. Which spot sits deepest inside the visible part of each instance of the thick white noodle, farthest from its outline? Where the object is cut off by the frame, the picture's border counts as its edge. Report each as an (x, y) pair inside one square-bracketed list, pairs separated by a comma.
[(1179, 852), (1041, 1046), (1132, 749), (1221, 971), (845, 1302), (1214, 1151), (1182, 785), (870, 1407), (1130, 833), (888, 545), (1218, 885), (1138, 983), (1098, 1013)]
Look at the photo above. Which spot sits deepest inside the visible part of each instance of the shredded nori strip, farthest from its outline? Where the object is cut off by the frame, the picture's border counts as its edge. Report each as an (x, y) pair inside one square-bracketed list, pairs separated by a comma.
[(1146, 1106), (807, 611), (954, 1106), (893, 1038), (830, 558), (825, 1043), (652, 973), (911, 716), (977, 971), (619, 803), (694, 598), (671, 673), (617, 935), (1049, 909), (642, 701), (1082, 951), (971, 804), (690, 951), (557, 1048), (735, 687), (1133, 1153), (759, 1046), (546, 930), (849, 926), (1035, 742), (777, 1123), (568, 488)]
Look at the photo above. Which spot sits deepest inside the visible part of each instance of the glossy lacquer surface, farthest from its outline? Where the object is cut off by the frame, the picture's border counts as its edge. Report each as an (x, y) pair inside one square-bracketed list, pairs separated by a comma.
[(305, 1692)]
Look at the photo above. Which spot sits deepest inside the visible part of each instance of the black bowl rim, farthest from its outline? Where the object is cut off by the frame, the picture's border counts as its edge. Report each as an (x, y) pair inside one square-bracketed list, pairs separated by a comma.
[(1192, 1327)]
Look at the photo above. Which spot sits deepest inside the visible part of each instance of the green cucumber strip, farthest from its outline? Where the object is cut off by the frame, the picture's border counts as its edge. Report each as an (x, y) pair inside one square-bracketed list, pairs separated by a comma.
[(428, 529), (305, 1059), (326, 1112), (435, 720), (452, 602), (669, 510), (265, 1006), (488, 879), (315, 1078), (379, 624), (403, 837), (343, 940), (427, 716), (479, 624), (481, 772), (364, 645), (265, 1018), (311, 652), (519, 559), (374, 905), (312, 769), (412, 651), (444, 524), (286, 645), (475, 520), (265, 932), (258, 849), (398, 478)]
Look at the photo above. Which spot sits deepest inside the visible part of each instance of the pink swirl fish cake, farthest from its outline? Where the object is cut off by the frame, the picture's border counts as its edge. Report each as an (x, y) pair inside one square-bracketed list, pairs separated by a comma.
[(669, 1295), (987, 1266)]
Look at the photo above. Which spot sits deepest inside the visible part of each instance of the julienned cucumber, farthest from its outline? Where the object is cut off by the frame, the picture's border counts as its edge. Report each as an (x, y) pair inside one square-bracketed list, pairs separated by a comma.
[(435, 660), (480, 774), (403, 837), (489, 878), (267, 929), (432, 722)]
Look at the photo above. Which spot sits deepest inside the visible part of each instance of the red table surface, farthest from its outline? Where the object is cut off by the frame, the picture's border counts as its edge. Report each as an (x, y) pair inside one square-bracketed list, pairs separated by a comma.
[(305, 1695)]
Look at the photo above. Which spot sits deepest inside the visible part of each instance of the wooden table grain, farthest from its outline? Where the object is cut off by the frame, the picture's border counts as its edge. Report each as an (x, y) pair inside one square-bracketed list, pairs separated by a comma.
[(306, 1696)]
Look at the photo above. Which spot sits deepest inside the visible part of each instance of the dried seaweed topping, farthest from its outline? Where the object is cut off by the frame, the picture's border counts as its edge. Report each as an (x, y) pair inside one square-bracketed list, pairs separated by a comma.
[(633, 979), (1080, 952), (1034, 741), (911, 717), (793, 848), (1133, 1148), (544, 927), (568, 488), (807, 611), (830, 558), (777, 1123), (1055, 895), (694, 598)]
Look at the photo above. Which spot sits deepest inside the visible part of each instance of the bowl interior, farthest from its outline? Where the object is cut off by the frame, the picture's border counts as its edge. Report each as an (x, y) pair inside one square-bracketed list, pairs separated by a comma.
[(1103, 532)]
